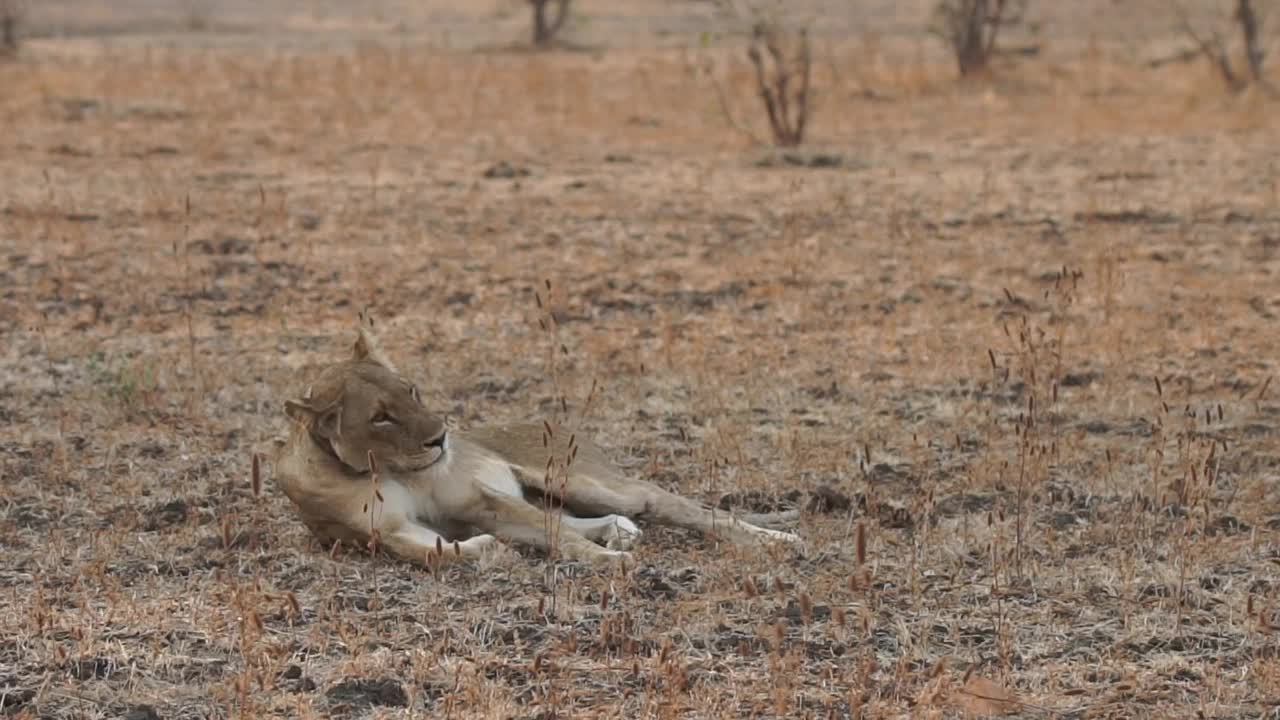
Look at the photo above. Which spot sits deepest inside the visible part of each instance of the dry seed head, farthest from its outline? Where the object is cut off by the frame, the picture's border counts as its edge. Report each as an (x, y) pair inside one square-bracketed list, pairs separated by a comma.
[(860, 544), (256, 476)]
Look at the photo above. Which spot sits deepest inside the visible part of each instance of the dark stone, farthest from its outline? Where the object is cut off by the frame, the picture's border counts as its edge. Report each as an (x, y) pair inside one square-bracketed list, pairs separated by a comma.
[(386, 693)]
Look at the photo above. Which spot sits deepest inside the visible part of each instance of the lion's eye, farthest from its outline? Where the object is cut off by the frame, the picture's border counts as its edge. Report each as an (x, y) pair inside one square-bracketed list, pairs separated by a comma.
[(383, 419)]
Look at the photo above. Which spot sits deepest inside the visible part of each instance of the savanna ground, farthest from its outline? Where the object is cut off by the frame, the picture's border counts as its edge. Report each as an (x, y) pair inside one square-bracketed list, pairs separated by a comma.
[(1016, 334)]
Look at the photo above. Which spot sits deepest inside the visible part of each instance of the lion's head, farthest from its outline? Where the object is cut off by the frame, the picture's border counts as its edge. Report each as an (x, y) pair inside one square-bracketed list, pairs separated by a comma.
[(364, 405)]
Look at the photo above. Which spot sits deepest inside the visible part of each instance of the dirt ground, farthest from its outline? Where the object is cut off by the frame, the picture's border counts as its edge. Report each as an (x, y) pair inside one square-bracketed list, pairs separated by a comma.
[(1016, 335)]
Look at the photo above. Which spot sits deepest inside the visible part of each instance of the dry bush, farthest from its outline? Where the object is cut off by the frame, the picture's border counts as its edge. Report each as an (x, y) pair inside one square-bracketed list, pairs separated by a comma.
[(11, 15), (1214, 47), (546, 26), (782, 59), (777, 73), (970, 28)]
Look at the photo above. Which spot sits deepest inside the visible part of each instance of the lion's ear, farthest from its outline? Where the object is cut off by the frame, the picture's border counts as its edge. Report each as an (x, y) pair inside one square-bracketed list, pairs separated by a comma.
[(367, 345), (299, 412), (325, 422)]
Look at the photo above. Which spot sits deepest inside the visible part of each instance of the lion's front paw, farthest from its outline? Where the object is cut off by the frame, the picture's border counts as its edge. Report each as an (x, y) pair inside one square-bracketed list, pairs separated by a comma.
[(617, 556), (621, 534), (779, 536), (478, 543)]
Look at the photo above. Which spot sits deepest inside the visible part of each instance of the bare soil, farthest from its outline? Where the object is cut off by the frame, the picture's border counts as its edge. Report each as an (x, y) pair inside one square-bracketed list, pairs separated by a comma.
[(1017, 335)]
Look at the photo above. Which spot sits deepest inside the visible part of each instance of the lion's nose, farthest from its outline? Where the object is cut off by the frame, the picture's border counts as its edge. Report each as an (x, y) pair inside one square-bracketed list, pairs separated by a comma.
[(436, 442)]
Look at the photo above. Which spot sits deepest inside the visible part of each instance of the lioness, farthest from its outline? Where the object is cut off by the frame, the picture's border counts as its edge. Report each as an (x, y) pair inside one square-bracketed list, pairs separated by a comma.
[(440, 495)]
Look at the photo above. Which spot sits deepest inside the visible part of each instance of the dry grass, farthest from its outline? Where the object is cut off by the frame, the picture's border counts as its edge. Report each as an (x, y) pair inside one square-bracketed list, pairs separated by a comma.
[(1011, 357)]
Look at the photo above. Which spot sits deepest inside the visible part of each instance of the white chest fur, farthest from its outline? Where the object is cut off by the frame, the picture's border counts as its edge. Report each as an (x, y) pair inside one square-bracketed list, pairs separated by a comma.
[(446, 489)]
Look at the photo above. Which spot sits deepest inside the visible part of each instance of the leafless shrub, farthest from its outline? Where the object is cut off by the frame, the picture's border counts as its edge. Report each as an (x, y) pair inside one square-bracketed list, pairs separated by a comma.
[(11, 16), (546, 26), (782, 78), (1213, 46), (197, 16), (970, 28)]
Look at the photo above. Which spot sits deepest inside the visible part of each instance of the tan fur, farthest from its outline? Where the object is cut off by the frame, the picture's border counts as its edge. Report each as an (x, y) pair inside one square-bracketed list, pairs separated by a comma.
[(435, 487)]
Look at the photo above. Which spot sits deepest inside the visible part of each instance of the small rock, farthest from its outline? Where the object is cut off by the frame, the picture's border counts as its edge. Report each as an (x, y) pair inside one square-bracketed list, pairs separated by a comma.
[(826, 499), (159, 517), (91, 668), (141, 712), (1227, 525), (387, 693), (13, 698), (1080, 379), (505, 170)]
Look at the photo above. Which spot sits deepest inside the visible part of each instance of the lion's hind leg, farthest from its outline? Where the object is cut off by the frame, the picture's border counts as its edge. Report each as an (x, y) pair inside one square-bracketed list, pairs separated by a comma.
[(617, 532), (513, 519), (611, 493)]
